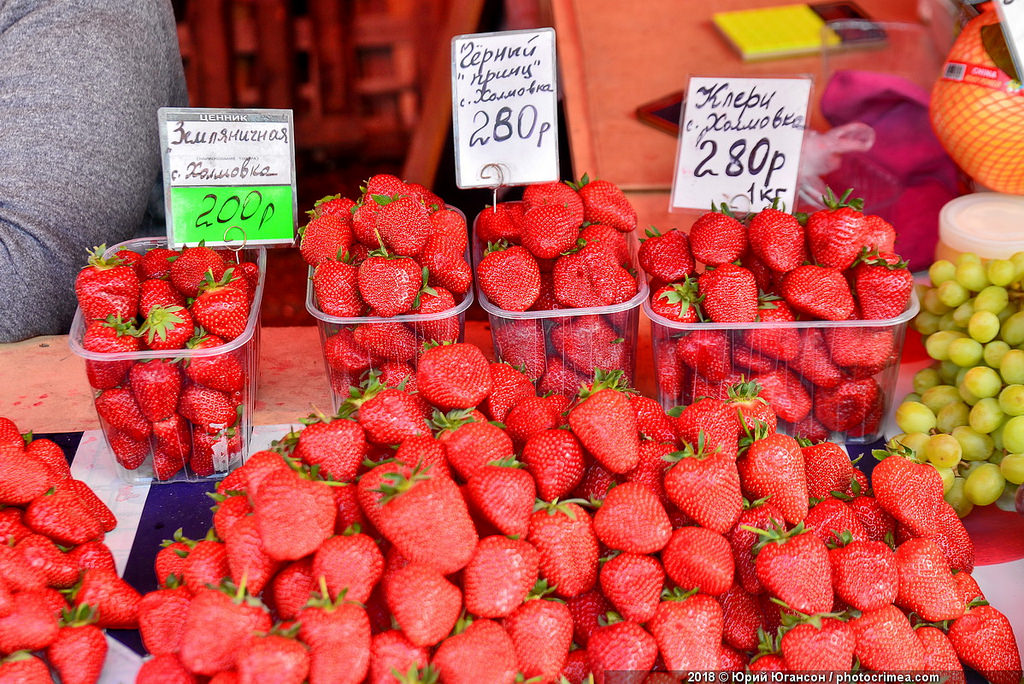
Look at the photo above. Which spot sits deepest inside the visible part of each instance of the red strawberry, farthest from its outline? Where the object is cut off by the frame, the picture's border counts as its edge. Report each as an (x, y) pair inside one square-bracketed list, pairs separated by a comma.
[(846, 405), (247, 558), (162, 616), (864, 574), (620, 646), (285, 496), (835, 233), (64, 517), (707, 352), (584, 345), (424, 603), (504, 494), (883, 285), (820, 643), (29, 624), (432, 327), (337, 445), (926, 585), (156, 385), (814, 360), (221, 372), (939, 654), (541, 634), (336, 285), (741, 619), (873, 518), (454, 376), (555, 192), (666, 256), (217, 627), (717, 238), (827, 467), (652, 420), (116, 602), (482, 653), (819, 292), (696, 557), (729, 294), (338, 635), (403, 224), (534, 415), (392, 652), (608, 239), (50, 453), (794, 566), (831, 519), (190, 269), (548, 230), (604, 202), (111, 335), (757, 515), (777, 238), (776, 342), (388, 415), (207, 407), (886, 641), (43, 555), (167, 328), (326, 236), (785, 394), (509, 277), (632, 519), (591, 277), (286, 657), (290, 589), (605, 424), (499, 576), (156, 263), (750, 406), (78, 652), (107, 287), (678, 301), (984, 640), (499, 222), (633, 583), (773, 466), (510, 386), (705, 487), (221, 307), (119, 409), (564, 536), (555, 459), (866, 350), (389, 284)]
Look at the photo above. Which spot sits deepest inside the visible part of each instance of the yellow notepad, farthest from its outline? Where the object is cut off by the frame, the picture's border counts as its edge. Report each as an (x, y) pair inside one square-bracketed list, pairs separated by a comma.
[(773, 32)]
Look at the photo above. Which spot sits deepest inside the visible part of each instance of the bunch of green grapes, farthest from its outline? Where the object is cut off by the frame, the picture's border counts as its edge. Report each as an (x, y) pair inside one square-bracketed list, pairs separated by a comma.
[(965, 415)]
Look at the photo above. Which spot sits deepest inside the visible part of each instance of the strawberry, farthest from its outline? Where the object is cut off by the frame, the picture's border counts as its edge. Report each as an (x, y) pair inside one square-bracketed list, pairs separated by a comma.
[(563, 534), (706, 487), (29, 624), (785, 393), (504, 494), (810, 428), (286, 657), (222, 308), (499, 576), (729, 294), (156, 385), (585, 344), (422, 513), (819, 643), (218, 627), (162, 619), (499, 222), (325, 236), (666, 256), (521, 344), (344, 354), (883, 284), (246, 557), (107, 287), (741, 619), (64, 517), (389, 284), (110, 335), (604, 202), (156, 263), (337, 445), (51, 454), (873, 518), (775, 342), (717, 238), (794, 566), (577, 667), (760, 514), (558, 193), (835, 233), (608, 239), (283, 497), (631, 518), (707, 352), (509, 386), (620, 646), (173, 445), (291, 587), (678, 301), (831, 518), (392, 652), (555, 459), (868, 350), (604, 422), (190, 269), (696, 557), (454, 376), (116, 602), (78, 652), (886, 641), (388, 415), (983, 639), (926, 585), (508, 276), (207, 407), (939, 654), (773, 466), (541, 634), (431, 327), (12, 530), (338, 635), (336, 285), (827, 467), (423, 451), (590, 276), (750, 406), (777, 238), (58, 568), (548, 230), (846, 405), (403, 223), (424, 603), (652, 420), (864, 574), (164, 669), (482, 653), (206, 563), (820, 292), (633, 583), (221, 372), (119, 409)]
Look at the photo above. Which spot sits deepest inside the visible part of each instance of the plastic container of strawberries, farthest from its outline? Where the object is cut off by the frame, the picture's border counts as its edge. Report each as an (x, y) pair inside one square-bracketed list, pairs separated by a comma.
[(561, 348), (228, 444), (407, 334), (839, 384)]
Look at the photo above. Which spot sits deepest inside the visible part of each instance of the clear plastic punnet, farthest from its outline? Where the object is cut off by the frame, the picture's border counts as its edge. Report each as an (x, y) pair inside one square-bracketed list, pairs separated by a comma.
[(175, 448)]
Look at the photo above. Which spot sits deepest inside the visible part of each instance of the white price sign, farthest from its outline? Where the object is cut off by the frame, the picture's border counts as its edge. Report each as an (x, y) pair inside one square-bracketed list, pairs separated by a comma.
[(740, 142), (504, 108), (1011, 17)]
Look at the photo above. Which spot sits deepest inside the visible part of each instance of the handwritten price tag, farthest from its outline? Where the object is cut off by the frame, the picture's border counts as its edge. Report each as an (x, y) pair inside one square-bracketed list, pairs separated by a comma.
[(504, 108), (229, 176), (740, 142), (1011, 17)]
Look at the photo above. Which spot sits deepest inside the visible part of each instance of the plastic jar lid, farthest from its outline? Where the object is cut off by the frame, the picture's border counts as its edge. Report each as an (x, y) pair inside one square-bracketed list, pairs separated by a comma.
[(989, 224)]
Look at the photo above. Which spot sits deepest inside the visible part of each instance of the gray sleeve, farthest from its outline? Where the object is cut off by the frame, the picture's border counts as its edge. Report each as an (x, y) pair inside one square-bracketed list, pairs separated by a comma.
[(80, 84)]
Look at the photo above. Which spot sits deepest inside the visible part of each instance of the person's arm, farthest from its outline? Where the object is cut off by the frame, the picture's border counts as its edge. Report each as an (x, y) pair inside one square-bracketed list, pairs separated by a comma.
[(80, 84)]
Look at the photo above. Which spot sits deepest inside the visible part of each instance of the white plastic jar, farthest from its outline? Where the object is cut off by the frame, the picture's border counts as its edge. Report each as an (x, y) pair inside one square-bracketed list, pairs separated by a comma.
[(989, 224)]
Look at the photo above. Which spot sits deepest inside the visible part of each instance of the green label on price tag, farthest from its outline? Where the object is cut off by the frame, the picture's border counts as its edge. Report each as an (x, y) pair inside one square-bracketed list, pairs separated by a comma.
[(263, 213), (229, 176)]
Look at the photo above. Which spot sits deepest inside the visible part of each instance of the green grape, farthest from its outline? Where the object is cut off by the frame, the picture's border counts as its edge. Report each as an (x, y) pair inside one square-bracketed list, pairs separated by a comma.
[(937, 345), (953, 294), (940, 271), (1008, 500), (994, 353), (984, 485), (974, 445), (983, 326), (943, 451), (1001, 272), (947, 322), (1013, 435), (982, 381), (1012, 468), (997, 456), (914, 416), (955, 497), (967, 258), (937, 397), (971, 275), (962, 314), (926, 323), (1012, 331), (1005, 314), (948, 371), (914, 441), (952, 416), (1011, 400), (966, 352), (992, 298), (932, 304), (985, 415), (926, 378), (997, 437), (1011, 367), (1018, 262), (912, 396), (966, 396), (967, 467), (947, 475)]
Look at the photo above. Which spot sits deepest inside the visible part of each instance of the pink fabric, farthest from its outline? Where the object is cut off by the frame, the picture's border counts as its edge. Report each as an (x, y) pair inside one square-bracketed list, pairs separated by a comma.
[(907, 176)]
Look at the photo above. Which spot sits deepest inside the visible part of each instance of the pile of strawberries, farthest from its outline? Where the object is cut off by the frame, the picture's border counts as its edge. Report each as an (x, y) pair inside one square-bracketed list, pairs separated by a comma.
[(59, 587), (837, 264), (565, 246), (184, 405), (397, 250), (478, 532)]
